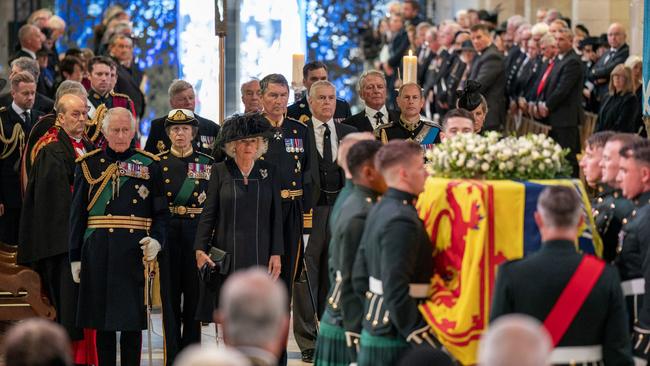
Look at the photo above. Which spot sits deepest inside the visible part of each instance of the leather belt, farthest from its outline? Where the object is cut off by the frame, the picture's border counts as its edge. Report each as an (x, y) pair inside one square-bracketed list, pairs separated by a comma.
[(577, 355), (119, 222), (290, 194), (416, 290), (182, 210), (633, 287)]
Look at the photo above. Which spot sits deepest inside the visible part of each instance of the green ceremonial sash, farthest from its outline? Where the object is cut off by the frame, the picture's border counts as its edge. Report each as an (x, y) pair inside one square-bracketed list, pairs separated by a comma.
[(99, 208), (187, 188)]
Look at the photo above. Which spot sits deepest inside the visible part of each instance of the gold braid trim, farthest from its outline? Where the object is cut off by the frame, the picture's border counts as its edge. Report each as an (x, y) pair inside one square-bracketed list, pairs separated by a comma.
[(17, 139), (96, 121), (105, 178), (148, 154), (87, 155)]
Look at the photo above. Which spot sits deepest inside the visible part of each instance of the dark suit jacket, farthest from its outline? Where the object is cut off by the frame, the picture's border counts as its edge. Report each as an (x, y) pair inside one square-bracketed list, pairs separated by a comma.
[(361, 122), (423, 62), (341, 131), (602, 320), (604, 66), (300, 110), (488, 69), (128, 82), (563, 92), (398, 47), (42, 103), (20, 53)]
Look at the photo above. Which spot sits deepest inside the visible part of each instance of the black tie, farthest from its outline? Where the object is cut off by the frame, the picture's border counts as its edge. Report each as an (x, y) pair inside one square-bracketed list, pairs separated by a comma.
[(327, 144), (378, 118), (26, 117)]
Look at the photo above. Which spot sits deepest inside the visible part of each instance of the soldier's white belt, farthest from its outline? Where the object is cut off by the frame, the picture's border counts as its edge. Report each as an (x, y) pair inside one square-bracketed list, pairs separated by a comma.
[(633, 287), (577, 355), (416, 290), (182, 210), (119, 222)]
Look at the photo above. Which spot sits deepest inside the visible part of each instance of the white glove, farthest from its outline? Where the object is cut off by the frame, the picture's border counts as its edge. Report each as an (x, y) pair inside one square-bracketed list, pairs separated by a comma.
[(150, 248), (75, 267)]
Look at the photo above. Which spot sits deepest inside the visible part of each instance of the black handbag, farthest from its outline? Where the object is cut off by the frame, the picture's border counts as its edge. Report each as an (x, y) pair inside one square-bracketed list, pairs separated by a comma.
[(221, 259)]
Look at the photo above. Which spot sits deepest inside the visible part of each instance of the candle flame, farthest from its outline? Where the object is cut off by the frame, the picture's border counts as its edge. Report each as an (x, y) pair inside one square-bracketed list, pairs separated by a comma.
[(410, 52)]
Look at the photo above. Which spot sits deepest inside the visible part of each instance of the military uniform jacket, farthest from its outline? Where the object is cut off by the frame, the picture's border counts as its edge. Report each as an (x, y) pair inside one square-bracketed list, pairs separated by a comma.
[(609, 209), (118, 199), (532, 286), (633, 242), (158, 140), (289, 151), (244, 220), (40, 128), (185, 182), (425, 133), (395, 250), (300, 110), (345, 307), (110, 100), (45, 215)]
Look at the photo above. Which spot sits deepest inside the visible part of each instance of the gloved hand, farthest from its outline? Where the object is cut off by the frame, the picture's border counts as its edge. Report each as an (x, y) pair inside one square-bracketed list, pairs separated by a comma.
[(150, 248), (75, 267)]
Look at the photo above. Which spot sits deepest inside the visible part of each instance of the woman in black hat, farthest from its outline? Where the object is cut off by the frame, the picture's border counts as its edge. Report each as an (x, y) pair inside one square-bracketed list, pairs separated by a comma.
[(471, 99), (242, 214)]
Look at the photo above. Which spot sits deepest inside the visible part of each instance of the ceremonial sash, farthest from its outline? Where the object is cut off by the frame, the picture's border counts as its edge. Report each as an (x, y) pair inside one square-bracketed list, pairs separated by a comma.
[(573, 296), (99, 206), (188, 185)]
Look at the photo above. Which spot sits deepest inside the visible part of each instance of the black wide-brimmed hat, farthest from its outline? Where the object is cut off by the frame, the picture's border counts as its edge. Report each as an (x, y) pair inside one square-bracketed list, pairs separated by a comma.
[(470, 97), (177, 117), (243, 126)]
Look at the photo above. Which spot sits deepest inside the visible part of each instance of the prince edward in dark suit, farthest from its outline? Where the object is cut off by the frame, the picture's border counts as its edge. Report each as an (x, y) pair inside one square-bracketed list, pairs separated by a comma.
[(328, 179)]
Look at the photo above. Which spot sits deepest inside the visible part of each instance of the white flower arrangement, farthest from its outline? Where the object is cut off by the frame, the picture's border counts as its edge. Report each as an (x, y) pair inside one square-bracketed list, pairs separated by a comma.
[(492, 156)]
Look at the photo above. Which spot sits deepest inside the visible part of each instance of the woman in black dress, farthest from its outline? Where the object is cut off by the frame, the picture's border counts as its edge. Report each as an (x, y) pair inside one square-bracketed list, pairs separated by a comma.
[(242, 214), (619, 109)]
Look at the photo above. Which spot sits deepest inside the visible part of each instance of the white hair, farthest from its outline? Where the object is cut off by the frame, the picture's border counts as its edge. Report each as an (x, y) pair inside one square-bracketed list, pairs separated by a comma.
[(515, 340), (210, 355), (262, 147), (253, 308), (113, 112), (539, 29), (70, 87)]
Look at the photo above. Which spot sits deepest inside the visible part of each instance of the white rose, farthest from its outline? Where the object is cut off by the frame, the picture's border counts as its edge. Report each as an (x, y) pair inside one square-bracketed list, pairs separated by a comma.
[(485, 167), (534, 155), (502, 166), (510, 165), (471, 163)]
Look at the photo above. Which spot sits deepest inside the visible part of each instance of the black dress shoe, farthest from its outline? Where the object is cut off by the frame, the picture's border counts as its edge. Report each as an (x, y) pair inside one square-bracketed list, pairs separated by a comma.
[(308, 356)]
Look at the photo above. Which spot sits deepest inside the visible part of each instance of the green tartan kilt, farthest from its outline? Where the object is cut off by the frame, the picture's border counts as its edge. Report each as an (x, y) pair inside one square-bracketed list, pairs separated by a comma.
[(331, 348), (380, 351)]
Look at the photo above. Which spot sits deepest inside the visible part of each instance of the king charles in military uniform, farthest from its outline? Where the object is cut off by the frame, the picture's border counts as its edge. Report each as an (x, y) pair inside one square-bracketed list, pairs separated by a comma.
[(118, 220), (186, 173), (410, 126)]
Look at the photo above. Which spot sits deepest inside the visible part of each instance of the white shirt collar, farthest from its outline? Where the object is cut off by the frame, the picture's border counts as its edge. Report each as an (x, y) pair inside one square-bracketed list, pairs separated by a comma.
[(318, 123), (31, 53), (370, 113), (17, 109)]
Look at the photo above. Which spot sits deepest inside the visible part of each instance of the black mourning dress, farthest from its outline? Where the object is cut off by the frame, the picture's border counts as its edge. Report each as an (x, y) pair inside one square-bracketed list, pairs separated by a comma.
[(246, 220)]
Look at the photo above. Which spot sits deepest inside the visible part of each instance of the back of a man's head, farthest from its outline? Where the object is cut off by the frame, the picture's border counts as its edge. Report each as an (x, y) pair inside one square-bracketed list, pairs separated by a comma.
[(253, 310), (515, 340), (37, 342), (559, 207), (210, 355)]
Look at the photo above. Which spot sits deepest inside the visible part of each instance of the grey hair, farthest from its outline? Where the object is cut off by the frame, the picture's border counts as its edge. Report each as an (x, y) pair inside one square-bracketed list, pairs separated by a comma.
[(253, 307), (262, 147), (27, 64), (547, 40), (320, 84), (273, 79), (178, 86), (70, 87), (241, 88), (515, 340), (362, 78), (560, 207), (25, 31), (118, 36), (567, 32), (116, 112), (210, 355)]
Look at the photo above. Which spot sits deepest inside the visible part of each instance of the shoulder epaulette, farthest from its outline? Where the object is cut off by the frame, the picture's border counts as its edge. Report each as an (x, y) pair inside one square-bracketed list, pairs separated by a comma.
[(87, 155), (205, 155), (114, 94), (148, 154), (431, 123), (162, 153), (295, 120)]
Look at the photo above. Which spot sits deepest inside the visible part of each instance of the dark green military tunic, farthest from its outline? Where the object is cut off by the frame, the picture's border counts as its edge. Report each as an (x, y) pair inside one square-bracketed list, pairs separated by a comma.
[(340, 200), (532, 286), (341, 322), (609, 208), (392, 270), (425, 133), (185, 181), (636, 234)]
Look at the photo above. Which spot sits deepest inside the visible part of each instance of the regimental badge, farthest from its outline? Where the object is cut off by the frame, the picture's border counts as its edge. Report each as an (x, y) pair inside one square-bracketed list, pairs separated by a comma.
[(304, 118), (277, 135), (201, 198), (160, 145), (207, 142), (293, 145), (143, 191), (298, 166), (198, 171), (264, 173), (134, 170)]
